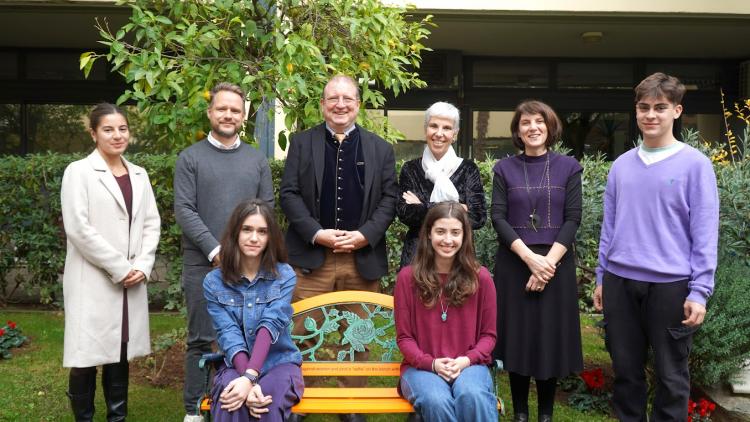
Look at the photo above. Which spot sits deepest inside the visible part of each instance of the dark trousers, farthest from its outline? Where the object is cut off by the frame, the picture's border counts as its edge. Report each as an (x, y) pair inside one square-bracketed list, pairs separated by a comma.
[(639, 315), (201, 333)]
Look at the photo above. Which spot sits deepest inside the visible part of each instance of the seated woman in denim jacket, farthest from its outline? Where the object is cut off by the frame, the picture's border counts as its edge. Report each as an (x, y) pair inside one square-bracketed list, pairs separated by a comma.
[(445, 313), (248, 299)]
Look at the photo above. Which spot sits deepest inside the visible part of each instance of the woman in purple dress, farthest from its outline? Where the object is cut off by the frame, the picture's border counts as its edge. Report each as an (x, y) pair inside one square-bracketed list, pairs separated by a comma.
[(536, 210), (249, 300)]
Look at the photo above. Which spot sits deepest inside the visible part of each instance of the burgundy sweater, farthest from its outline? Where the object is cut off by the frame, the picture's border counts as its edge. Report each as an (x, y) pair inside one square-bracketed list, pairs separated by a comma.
[(470, 330)]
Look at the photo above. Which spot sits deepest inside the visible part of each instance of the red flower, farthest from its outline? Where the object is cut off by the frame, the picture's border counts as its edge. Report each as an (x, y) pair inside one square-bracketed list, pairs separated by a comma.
[(593, 378), (2, 332), (11, 325), (702, 413), (712, 407)]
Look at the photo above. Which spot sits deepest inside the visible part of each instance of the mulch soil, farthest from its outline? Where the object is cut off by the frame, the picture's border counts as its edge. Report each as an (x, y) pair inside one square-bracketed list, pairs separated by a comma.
[(164, 368)]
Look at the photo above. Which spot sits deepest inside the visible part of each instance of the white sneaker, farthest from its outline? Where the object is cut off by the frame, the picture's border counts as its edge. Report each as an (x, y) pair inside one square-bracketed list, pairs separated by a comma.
[(193, 418)]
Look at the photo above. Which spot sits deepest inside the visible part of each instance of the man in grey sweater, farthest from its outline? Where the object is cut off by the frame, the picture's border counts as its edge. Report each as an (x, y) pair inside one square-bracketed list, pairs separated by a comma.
[(211, 178)]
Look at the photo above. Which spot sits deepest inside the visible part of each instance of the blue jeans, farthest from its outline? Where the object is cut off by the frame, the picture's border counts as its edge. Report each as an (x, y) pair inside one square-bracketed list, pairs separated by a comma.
[(468, 398)]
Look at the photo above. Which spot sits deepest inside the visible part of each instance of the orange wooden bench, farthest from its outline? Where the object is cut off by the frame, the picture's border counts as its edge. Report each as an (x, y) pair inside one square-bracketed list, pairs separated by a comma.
[(371, 326)]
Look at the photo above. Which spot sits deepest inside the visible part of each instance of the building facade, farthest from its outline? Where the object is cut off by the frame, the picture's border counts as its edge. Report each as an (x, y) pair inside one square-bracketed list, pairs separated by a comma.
[(582, 57)]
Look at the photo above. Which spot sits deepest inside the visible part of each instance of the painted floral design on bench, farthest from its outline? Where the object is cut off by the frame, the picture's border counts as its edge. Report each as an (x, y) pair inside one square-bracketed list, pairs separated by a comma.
[(373, 325)]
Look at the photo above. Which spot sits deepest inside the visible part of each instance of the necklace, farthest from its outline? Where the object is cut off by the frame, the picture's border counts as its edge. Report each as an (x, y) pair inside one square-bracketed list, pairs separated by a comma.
[(444, 314), (534, 218)]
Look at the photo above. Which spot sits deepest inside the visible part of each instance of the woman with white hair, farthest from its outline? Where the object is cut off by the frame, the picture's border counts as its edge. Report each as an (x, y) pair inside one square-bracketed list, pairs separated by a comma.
[(439, 175)]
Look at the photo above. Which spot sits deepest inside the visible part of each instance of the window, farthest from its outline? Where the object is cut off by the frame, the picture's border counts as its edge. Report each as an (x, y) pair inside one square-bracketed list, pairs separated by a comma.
[(61, 66), (492, 137), (411, 124), (510, 74), (593, 132), (587, 75), (10, 129), (710, 126), (58, 128), (8, 65), (695, 76)]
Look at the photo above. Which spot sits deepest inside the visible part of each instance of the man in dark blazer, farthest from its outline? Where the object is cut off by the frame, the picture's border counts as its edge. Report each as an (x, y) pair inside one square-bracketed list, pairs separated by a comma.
[(339, 194)]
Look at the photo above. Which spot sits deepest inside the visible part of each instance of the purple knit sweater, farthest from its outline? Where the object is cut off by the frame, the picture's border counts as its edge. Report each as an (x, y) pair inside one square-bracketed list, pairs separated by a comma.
[(661, 221)]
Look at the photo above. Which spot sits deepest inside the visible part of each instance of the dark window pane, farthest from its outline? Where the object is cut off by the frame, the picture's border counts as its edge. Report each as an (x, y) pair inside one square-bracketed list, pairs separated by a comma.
[(500, 74), (695, 76), (8, 65), (594, 132), (10, 129), (492, 137), (59, 128), (411, 124), (710, 126), (61, 66), (595, 75)]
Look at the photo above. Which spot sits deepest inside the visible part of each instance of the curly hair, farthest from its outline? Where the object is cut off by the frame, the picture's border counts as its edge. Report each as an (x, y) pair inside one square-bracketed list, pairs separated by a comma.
[(462, 280)]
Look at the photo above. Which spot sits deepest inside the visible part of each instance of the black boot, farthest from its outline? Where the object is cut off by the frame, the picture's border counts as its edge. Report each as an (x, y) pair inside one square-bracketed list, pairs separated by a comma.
[(115, 383), (81, 391)]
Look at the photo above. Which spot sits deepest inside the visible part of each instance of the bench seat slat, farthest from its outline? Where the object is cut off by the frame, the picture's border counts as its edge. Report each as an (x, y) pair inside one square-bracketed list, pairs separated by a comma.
[(352, 405), (369, 369), (351, 393)]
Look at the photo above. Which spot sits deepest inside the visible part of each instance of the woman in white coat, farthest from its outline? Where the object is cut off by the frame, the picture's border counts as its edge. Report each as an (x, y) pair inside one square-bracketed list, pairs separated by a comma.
[(112, 227)]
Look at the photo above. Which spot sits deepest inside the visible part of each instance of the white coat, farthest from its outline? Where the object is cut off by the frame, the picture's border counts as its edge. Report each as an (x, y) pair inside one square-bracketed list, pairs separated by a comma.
[(101, 251)]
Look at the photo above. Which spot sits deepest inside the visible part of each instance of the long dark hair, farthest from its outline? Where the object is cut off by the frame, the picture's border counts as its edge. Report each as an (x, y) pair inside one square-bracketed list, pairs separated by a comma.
[(230, 254), (462, 280)]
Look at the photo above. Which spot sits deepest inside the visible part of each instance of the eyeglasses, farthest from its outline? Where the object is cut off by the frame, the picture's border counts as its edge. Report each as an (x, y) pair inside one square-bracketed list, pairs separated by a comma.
[(335, 100)]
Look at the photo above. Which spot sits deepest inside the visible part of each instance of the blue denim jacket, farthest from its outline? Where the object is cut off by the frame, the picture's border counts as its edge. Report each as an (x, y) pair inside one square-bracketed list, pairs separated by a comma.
[(238, 311)]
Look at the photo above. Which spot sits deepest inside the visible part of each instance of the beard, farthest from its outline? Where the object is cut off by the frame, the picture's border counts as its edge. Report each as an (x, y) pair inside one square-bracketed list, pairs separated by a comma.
[(224, 133)]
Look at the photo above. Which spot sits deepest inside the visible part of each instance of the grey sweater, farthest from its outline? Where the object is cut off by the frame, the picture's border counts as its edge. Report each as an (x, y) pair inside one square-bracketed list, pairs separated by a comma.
[(208, 184)]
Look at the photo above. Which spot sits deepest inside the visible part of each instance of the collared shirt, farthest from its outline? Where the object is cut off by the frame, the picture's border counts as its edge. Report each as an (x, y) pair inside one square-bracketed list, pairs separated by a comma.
[(654, 155), (346, 132), (215, 142)]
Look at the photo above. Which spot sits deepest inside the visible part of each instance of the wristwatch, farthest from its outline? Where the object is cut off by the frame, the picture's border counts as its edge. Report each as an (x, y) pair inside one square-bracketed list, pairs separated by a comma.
[(253, 378)]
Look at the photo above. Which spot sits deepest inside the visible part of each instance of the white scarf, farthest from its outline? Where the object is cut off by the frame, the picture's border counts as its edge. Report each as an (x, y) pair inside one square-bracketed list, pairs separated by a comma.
[(439, 173)]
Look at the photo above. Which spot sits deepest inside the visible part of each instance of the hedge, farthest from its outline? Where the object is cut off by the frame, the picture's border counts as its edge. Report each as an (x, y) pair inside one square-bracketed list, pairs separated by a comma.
[(32, 242)]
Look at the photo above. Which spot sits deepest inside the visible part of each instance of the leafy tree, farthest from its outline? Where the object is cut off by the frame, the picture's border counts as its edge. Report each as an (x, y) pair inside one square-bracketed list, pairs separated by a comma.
[(172, 52)]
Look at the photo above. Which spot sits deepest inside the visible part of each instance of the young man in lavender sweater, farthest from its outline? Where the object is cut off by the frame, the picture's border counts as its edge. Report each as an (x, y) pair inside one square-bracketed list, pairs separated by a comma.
[(657, 256)]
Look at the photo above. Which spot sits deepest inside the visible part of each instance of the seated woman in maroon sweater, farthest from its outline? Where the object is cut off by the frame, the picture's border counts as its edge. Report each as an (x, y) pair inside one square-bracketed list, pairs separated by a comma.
[(445, 312)]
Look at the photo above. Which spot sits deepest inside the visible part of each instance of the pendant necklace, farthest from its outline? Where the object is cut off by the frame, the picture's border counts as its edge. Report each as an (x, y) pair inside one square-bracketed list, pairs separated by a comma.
[(444, 314), (534, 218)]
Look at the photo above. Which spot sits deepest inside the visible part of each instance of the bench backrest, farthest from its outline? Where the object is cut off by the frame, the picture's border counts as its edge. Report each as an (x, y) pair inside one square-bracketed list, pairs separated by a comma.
[(346, 322)]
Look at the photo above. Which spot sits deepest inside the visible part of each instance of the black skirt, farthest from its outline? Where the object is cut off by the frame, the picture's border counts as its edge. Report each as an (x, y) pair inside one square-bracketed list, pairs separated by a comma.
[(538, 333)]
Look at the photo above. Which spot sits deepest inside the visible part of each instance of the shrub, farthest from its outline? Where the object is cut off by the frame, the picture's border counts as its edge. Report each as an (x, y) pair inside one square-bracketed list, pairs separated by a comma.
[(10, 338), (32, 240), (722, 345)]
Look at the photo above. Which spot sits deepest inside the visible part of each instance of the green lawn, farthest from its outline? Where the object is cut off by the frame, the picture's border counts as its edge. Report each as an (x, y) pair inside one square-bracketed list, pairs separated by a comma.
[(33, 383)]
